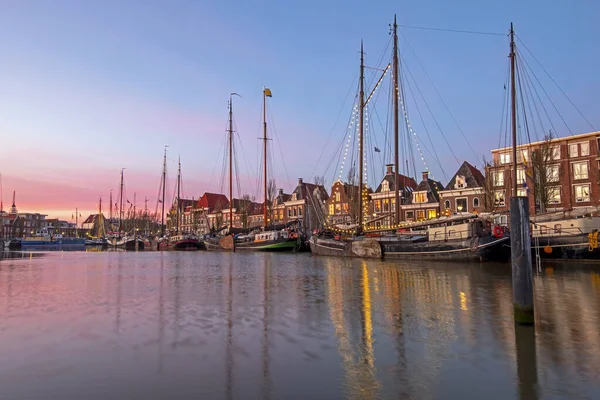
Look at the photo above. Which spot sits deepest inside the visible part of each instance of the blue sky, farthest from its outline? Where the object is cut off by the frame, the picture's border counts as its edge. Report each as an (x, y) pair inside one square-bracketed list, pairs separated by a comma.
[(89, 87)]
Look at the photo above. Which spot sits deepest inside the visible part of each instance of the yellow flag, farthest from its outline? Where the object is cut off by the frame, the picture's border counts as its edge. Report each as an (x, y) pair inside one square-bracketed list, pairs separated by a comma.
[(268, 92)]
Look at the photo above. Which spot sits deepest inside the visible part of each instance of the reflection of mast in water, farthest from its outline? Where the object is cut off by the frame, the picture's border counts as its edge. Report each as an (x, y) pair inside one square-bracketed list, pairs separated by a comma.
[(119, 289), (229, 353), (265, 342), (361, 381), (161, 313)]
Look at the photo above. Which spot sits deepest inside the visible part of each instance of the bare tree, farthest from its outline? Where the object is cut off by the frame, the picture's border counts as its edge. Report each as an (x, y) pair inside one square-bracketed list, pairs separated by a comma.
[(244, 212), (353, 193), (545, 175), (271, 194), (319, 180), (492, 181)]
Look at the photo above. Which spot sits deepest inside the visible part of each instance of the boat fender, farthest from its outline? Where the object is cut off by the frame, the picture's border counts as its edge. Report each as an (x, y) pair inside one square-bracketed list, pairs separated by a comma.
[(498, 231), (548, 249), (593, 237)]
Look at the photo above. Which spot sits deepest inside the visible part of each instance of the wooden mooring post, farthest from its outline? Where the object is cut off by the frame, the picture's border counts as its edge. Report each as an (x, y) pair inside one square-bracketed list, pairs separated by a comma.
[(520, 248)]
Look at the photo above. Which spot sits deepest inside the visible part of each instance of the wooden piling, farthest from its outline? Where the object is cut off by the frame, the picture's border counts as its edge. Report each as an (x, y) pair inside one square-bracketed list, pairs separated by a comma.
[(522, 273)]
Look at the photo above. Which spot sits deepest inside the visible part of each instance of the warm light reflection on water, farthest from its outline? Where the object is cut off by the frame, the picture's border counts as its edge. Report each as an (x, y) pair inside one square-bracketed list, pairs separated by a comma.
[(286, 326)]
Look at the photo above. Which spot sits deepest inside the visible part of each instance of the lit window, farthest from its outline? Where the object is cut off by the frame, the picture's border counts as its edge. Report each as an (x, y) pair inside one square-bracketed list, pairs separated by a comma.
[(377, 206), (555, 152), (520, 176), (554, 195), (499, 200), (337, 196), (584, 148), (504, 158), (580, 170), (431, 214), (461, 205), (386, 205), (420, 197), (582, 193), (420, 214), (331, 209), (552, 173), (573, 150), (522, 192), (498, 178), (460, 182)]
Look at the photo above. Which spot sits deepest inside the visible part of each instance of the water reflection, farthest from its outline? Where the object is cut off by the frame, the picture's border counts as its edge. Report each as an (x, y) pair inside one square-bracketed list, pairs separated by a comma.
[(228, 326)]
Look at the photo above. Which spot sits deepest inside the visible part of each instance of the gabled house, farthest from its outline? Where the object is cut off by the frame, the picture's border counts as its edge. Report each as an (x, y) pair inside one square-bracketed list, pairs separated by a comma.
[(384, 198), (424, 202), (186, 217), (342, 203), (307, 205), (465, 192), (209, 212), (279, 206)]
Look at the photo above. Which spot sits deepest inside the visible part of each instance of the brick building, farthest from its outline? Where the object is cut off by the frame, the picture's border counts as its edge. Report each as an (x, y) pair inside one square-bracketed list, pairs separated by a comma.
[(340, 204), (570, 165), (383, 200), (424, 202), (465, 192)]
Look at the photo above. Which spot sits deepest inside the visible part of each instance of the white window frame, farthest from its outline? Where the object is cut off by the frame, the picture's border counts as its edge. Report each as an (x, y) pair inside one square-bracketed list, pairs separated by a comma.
[(555, 153), (554, 195), (504, 158), (499, 201), (521, 192), (498, 178), (581, 175), (478, 202), (586, 146), (582, 199), (521, 178), (447, 204), (573, 150), (466, 204), (550, 175), (421, 193)]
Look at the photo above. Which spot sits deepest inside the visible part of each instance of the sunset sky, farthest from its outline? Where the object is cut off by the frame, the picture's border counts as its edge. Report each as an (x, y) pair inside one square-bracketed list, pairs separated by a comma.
[(90, 87)]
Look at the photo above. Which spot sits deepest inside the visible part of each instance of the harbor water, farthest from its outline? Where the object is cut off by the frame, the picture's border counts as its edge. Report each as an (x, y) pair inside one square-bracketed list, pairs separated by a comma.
[(153, 325)]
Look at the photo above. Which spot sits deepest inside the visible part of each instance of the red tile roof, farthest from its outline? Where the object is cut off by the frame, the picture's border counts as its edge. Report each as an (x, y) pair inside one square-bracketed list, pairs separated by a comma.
[(211, 200)]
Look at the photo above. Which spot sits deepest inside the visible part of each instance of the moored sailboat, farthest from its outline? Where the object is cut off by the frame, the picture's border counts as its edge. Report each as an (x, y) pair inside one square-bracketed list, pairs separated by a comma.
[(179, 240), (460, 238)]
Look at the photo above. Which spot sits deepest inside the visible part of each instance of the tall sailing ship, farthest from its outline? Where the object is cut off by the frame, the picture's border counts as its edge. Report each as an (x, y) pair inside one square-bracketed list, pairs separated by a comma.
[(177, 240), (463, 237), (123, 240), (269, 237)]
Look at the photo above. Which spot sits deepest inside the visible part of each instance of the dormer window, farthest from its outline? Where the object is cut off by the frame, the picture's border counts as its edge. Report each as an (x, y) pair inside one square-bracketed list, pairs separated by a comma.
[(294, 196), (385, 186), (420, 197), (460, 182)]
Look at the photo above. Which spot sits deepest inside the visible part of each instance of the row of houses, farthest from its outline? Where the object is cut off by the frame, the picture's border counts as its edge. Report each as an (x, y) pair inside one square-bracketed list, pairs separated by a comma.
[(556, 174), (16, 224)]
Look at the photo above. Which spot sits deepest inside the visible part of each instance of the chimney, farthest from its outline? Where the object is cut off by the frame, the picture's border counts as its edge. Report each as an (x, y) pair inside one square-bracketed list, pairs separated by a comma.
[(281, 192), (425, 175), (389, 169), (299, 181)]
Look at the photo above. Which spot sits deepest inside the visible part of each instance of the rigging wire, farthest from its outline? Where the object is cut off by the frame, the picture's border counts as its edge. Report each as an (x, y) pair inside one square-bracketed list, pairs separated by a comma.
[(335, 123), (274, 130), (451, 30), (539, 97), (503, 115), (554, 81), (440, 96), (430, 112), (545, 92)]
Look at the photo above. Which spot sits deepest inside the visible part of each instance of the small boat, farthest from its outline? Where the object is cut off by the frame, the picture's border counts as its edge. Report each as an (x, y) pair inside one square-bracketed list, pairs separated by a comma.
[(129, 243), (186, 241), (566, 235), (267, 241)]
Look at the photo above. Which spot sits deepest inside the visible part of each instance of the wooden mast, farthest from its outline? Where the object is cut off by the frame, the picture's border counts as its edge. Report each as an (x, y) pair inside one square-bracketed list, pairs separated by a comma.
[(266, 93), (361, 130), (231, 161), (121, 202), (164, 183), (396, 94), (513, 95), (178, 195)]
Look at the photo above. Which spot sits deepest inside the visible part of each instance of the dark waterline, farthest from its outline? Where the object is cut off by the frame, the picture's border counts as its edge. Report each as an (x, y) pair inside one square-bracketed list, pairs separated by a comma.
[(290, 326)]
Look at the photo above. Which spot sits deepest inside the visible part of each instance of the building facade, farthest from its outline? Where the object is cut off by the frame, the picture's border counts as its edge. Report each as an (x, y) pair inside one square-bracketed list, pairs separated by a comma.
[(383, 200), (564, 171), (464, 193)]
